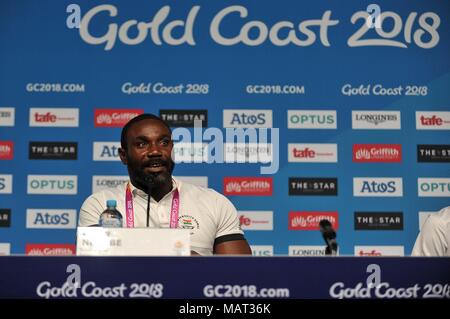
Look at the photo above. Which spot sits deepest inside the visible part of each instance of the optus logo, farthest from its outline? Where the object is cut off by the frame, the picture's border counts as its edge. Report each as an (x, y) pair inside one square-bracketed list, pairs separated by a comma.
[(52, 184), (434, 187)]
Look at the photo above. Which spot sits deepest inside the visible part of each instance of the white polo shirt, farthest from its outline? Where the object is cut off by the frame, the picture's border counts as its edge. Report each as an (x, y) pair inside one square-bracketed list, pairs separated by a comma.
[(207, 213), (434, 238)]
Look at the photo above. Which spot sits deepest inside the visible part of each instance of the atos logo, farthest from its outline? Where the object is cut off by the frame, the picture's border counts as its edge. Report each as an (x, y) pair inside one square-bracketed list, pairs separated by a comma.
[(106, 151), (247, 118), (378, 187), (51, 218)]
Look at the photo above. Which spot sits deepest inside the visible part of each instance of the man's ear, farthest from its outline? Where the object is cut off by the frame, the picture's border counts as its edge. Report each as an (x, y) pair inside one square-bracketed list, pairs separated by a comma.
[(123, 156)]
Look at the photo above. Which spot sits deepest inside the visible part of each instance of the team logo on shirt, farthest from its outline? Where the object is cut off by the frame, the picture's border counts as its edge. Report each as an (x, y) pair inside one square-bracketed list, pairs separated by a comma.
[(187, 222)]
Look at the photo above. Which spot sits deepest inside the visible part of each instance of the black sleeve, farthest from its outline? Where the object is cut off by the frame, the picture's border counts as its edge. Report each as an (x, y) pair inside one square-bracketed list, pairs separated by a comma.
[(229, 237)]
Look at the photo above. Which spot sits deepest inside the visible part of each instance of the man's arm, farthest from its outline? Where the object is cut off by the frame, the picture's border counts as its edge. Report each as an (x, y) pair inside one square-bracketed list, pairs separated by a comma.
[(431, 239), (232, 244), (234, 247)]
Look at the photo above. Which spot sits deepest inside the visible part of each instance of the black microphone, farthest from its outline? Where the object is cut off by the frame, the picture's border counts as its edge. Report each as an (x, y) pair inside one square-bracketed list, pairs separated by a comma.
[(149, 182), (329, 235)]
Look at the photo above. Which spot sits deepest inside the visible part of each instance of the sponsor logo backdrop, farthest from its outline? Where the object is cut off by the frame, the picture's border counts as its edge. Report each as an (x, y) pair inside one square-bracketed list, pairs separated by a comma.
[(363, 114)]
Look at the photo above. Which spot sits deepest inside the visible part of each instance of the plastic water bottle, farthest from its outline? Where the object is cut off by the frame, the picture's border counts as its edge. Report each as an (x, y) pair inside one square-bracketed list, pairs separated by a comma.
[(110, 217)]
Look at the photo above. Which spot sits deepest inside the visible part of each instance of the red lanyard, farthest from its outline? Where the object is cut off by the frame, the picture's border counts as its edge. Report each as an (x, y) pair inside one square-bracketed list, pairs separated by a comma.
[(173, 210)]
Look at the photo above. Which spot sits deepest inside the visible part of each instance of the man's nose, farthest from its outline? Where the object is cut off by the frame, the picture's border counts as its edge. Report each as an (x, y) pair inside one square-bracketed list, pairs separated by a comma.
[(153, 149)]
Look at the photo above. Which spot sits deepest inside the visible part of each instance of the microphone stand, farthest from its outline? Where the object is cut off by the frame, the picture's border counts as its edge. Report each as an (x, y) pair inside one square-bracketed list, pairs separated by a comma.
[(148, 206), (149, 182)]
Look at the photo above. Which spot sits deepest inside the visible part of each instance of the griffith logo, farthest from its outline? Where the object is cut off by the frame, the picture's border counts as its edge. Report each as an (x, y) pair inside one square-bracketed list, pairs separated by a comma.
[(50, 249), (377, 153), (114, 117), (248, 186), (6, 150), (310, 220)]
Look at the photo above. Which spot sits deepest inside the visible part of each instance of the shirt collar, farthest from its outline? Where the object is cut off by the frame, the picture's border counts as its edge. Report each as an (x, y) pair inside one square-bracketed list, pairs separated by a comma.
[(138, 192)]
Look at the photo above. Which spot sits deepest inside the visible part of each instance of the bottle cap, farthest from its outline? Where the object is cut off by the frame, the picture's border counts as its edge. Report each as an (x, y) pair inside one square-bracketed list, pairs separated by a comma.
[(111, 203)]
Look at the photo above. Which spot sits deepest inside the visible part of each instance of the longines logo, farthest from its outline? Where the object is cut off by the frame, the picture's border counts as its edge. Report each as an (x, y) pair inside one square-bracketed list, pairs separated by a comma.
[(378, 220), (101, 182), (376, 120), (53, 150), (5, 217), (313, 186), (184, 118), (306, 251), (433, 153)]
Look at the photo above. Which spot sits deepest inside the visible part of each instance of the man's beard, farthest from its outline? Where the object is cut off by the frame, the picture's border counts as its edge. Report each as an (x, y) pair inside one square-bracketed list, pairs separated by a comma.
[(148, 180)]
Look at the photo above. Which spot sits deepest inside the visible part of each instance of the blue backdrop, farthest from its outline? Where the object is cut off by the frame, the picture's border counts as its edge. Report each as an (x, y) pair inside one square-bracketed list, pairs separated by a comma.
[(296, 56)]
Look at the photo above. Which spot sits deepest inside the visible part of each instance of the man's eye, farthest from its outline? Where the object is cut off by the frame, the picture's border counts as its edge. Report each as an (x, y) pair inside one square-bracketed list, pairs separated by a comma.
[(141, 144), (165, 142)]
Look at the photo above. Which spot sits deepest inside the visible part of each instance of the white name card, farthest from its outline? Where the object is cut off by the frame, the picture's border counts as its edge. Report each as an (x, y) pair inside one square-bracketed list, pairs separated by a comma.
[(99, 241)]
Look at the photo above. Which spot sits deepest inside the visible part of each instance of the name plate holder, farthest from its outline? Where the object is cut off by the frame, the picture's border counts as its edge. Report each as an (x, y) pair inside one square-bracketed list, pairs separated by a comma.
[(99, 241)]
